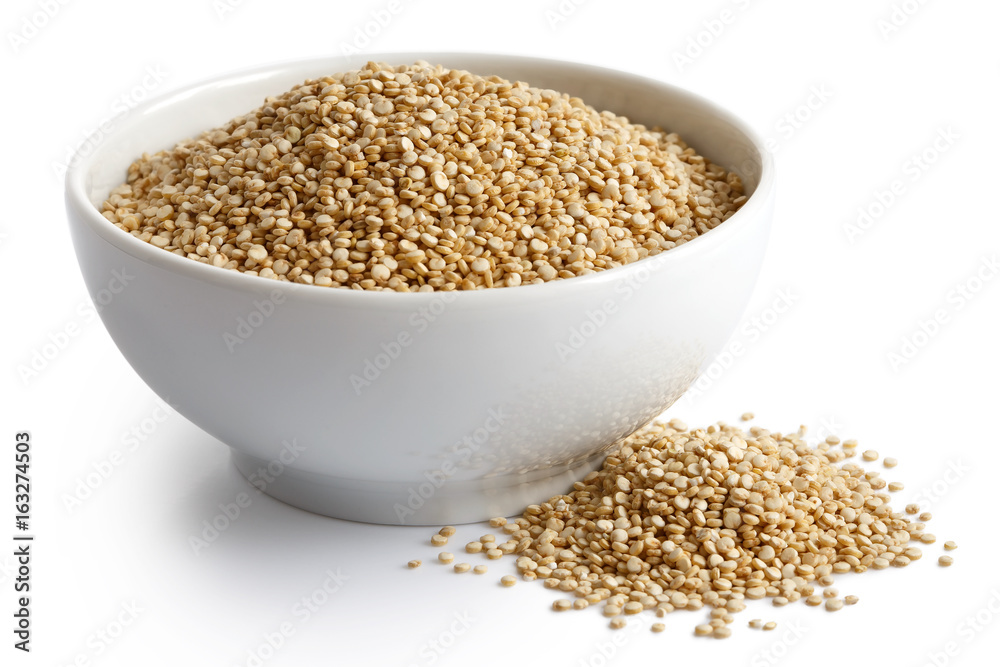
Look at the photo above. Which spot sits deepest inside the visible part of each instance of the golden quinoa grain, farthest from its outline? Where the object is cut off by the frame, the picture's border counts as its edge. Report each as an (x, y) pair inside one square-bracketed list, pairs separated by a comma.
[(419, 177), (414, 564), (834, 604), (632, 608), (439, 540), (889, 462), (746, 416), (850, 599), (445, 557), (498, 522), (618, 623), (945, 561), (657, 627), (462, 567), (869, 455), (950, 546), (770, 625), (447, 531), (508, 580), (562, 605), (703, 630), (474, 547), (480, 569)]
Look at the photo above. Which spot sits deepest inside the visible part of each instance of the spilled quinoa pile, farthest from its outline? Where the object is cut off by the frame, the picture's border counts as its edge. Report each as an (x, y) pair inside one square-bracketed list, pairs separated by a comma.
[(680, 518)]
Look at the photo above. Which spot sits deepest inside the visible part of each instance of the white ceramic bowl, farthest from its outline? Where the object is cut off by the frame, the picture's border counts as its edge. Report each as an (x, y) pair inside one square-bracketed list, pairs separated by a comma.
[(420, 408)]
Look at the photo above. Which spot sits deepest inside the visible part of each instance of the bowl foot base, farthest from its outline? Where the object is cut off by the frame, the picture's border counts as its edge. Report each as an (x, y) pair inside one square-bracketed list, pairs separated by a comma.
[(431, 502)]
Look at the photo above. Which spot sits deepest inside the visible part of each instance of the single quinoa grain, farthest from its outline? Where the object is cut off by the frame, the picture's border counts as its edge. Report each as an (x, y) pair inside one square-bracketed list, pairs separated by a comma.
[(421, 178), (413, 564), (632, 608)]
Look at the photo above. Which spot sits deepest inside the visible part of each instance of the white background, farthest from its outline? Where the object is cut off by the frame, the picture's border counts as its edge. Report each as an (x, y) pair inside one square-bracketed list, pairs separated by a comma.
[(848, 99)]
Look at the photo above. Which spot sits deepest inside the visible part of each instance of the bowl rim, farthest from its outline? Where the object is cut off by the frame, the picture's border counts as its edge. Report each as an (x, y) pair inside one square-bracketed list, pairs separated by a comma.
[(79, 203)]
